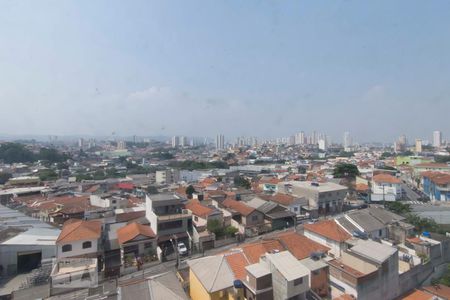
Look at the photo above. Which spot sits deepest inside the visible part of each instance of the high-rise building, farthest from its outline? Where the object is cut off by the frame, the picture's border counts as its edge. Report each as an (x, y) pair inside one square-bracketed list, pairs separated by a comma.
[(121, 145), (183, 141), (347, 140), (418, 145), (403, 140), (220, 142), (80, 143), (437, 138), (175, 141), (323, 144)]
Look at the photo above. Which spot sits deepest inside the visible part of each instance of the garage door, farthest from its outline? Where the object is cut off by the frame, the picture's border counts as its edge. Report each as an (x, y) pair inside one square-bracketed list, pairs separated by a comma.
[(27, 261)]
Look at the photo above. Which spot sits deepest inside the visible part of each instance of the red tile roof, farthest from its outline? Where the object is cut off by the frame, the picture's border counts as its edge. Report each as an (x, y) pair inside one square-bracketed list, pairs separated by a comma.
[(283, 199), (78, 230), (418, 295), (432, 165), (299, 245), (328, 229), (386, 178), (131, 231), (439, 290), (125, 186), (199, 210), (237, 263), (254, 251), (238, 206)]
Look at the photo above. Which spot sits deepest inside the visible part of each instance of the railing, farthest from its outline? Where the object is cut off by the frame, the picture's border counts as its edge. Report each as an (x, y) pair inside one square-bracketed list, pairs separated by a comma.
[(174, 216)]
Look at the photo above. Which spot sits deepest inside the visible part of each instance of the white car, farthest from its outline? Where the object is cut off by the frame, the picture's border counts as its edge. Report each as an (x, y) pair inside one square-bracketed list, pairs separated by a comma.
[(182, 250)]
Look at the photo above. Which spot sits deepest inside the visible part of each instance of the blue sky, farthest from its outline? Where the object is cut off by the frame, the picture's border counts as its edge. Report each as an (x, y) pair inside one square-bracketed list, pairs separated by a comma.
[(267, 68)]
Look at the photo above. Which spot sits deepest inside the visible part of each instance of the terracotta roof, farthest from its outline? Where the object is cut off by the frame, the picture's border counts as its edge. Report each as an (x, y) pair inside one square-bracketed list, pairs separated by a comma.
[(254, 251), (125, 186), (437, 177), (269, 181), (329, 229), (238, 206), (299, 245), (361, 187), (128, 216), (197, 209), (418, 295), (131, 231), (237, 262), (386, 178), (283, 199), (78, 230), (439, 290)]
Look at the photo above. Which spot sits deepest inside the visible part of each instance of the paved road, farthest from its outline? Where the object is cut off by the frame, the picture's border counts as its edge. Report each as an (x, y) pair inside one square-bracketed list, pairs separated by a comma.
[(410, 194)]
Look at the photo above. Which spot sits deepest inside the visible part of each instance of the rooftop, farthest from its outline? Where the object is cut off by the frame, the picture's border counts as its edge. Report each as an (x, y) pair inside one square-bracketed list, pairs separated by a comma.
[(287, 265), (320, 187), (35, 236), (329, 229), (77, 230), (373, 251), (133, 230)]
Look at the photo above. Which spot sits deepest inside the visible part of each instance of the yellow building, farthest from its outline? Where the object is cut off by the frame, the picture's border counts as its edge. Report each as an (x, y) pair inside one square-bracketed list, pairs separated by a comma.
[(211, 278)]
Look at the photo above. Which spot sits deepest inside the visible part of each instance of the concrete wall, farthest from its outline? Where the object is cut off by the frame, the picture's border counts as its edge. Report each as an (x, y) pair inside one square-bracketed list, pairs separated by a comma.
[(335, 247), (8, 255), (77, 249)]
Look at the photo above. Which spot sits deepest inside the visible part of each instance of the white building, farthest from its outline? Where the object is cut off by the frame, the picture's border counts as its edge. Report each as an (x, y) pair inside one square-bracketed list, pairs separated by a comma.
[(348, 143), (79, 238), (386, 187), (220, 142), (323, 144), (437, 138), (168, 176), (175, 141)]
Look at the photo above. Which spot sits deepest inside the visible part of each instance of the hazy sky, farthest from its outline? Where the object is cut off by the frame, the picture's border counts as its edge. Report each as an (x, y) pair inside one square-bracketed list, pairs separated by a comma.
[(266, 68)]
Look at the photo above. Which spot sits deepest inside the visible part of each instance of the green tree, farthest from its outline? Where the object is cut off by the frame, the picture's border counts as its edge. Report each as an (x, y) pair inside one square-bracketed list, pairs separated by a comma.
[(422, 224), (4, 177), (344, 170), (189, 191), (215, 227), (15, 153), (240, 181), (152, 190), (398, 207), (230, 231), (47, 175)]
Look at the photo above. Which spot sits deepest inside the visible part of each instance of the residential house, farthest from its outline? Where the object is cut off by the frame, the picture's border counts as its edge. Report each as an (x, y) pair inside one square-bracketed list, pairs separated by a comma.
[(368, 270), (137, 244), (290, 202), (328, 233), (323, 198), (386, 187), (277, 216), (168, 219), (161, 286), (79, 239), (247, 219), (436, 185)]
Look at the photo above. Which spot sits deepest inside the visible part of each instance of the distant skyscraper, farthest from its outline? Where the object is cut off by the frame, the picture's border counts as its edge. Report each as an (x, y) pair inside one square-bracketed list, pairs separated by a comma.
[(80, 143), (418, 145), (347, 140), (323, 144), (220, 142), (175, 141), (183, 141), (437, 138), (121, 145), (402, 140)]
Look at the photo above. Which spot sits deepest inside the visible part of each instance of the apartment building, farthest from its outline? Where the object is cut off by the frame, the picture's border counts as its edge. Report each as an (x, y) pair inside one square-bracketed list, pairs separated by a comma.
[(386, 187), (323, 198), (168, 176), (368, 270), (167, 216)]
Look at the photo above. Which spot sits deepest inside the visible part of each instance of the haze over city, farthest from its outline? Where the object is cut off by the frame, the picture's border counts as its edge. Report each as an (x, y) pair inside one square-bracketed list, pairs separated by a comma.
[(378, 69)]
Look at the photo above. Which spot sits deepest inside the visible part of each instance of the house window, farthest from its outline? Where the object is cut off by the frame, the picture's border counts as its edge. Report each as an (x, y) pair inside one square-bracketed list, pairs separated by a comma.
[(196, 218), (255, 218), (380, 232), (148, 245), (67, 248), (295, 208), (114, 201), (87, 245), (298, 281)]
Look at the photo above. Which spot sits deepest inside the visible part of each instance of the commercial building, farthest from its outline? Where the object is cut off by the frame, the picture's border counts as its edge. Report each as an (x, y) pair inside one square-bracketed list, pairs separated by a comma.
[(437, 139), (323, 198)]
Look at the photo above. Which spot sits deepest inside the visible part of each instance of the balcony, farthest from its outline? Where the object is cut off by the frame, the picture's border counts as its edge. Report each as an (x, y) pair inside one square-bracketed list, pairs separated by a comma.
[(184, 214)]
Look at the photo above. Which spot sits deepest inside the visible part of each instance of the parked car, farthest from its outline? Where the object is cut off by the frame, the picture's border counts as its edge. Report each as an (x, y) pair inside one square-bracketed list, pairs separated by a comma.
[(182, 249)]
